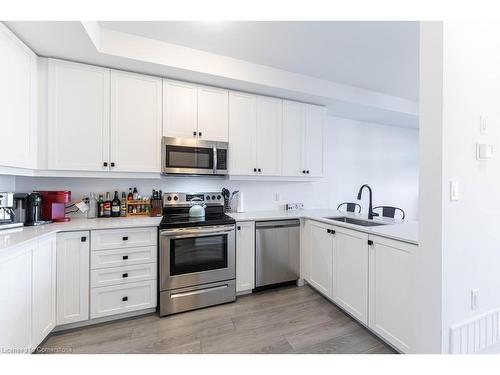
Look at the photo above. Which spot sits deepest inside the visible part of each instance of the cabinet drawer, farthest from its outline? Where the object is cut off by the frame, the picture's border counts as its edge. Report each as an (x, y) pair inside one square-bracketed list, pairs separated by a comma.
[(118, 299), (122, 275), (123, 238), (123, 257)]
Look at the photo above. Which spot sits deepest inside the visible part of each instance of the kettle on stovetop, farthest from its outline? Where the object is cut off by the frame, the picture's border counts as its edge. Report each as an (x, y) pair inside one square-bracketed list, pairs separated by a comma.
[(197, 209)]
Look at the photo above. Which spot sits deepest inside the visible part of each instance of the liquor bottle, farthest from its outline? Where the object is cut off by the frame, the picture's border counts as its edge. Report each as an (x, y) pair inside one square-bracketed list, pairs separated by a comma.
[(123, 208), (107, 205), (115, 206), (130, 196), (135, 194), (100, 206)]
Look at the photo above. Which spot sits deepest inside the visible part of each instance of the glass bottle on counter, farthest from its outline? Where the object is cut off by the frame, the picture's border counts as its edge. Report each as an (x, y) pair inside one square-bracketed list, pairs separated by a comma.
[(115, 206), (135, 194), (130, 195), (92, 211), (123, 206), (100, 206), (107, 205)]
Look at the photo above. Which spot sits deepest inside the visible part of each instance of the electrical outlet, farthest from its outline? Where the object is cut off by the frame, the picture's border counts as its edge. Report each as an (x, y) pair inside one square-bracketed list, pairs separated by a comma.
[(474, 299), (483, 128), (277, 197), (454, 190)]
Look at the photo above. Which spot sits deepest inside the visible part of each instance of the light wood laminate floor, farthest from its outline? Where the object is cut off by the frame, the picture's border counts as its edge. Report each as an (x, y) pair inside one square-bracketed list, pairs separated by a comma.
[(287, 320)]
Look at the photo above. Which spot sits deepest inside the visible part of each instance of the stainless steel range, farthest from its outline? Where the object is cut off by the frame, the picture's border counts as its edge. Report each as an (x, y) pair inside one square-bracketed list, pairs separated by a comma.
[(197, 254)]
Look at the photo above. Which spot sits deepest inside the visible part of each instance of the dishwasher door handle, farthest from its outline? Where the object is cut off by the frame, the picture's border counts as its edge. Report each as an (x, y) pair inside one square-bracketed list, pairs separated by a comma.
[(277, 224)]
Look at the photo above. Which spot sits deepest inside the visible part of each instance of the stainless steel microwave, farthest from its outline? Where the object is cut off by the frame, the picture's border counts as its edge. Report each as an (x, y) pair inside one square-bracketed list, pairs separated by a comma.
[(193, 157)]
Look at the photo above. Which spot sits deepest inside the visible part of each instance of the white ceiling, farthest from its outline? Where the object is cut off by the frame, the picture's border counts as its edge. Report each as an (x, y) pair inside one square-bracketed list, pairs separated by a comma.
[(378, 56)]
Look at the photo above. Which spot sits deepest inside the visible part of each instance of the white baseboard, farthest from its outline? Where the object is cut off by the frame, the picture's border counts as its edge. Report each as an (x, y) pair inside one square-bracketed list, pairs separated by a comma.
[(481, 334)]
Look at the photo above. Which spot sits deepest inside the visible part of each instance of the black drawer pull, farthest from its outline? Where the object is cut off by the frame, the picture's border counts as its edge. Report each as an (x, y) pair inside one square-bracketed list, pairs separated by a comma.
[(105, 163), (125, 238), (124, 299), (370, 242), (83, 239), (125, 257), (125, 275), (238, 227)]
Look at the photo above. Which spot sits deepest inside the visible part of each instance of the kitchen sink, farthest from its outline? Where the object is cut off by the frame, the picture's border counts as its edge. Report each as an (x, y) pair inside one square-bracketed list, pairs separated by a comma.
[(351, 220)]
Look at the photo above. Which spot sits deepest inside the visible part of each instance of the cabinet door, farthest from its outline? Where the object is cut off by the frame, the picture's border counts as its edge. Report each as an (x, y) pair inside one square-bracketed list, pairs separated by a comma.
[(78, 116), (18, 102), (294, 118), (213, 114), (44, 289), (269, 127), (179, 109), (136, 122), (242, 133), (350, 286), (315, 140), (321, 265), (245, 256), (391, 291), (73, 282), (15, 299)]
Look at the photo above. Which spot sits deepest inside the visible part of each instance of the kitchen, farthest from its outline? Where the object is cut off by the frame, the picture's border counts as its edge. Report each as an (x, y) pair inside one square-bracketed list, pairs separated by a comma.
[(155, 205)]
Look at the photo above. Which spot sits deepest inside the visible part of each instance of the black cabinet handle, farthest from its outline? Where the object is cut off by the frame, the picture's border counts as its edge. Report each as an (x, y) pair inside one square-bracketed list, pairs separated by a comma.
[(370, 242), (125, 275), (125, 257), (333, 232), (112, 164), (125, 238), (199, 134), (259, 170), (194, 133), (105, 163), (328, 231), (83, 239), (238, 227), (304, 172), (124, 299), (307, 172), (255, 169)]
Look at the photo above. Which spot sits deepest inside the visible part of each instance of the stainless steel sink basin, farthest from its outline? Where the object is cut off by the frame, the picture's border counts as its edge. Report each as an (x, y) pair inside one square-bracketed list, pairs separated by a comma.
[(361, 222)]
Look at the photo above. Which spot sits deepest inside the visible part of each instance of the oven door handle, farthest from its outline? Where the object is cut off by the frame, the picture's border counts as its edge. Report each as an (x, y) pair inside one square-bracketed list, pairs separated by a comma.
[(196, 231)]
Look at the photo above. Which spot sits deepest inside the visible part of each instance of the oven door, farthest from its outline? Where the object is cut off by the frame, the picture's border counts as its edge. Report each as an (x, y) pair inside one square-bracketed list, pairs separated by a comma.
[(193, 256), (188, 156)]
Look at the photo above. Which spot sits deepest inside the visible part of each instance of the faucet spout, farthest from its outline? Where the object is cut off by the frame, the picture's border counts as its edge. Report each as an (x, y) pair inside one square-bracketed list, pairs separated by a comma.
[(371, 214)]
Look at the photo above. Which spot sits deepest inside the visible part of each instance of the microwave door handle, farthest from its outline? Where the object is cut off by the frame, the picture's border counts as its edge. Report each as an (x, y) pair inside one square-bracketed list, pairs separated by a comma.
[(215, 159)]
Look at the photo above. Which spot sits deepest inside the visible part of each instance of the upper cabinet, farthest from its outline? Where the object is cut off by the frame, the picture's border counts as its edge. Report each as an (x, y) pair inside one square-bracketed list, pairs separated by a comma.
[(78, 116), (136, 122), (192, 111), (269, 130), (18, 102), (315, 152), (102, 120)]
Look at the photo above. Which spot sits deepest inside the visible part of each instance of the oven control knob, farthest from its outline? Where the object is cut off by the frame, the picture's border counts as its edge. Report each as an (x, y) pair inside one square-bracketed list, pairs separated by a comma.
[(176, 198), (169, 199), (213, 197), (207, 197), (218, 197)]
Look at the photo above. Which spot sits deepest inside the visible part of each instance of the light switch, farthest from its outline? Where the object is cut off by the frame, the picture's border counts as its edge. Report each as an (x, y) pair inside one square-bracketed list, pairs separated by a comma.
[(454, 191), (484, 151)]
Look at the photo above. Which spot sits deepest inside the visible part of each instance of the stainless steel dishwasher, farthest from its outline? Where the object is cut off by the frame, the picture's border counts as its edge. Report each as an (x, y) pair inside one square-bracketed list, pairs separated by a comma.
[(276, 252)]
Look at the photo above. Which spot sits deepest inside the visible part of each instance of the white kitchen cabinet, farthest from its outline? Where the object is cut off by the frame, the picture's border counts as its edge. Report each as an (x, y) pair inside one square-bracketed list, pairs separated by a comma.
[(242, 133), (213, 113), (391, 291), (136, 122), (245, 256), (269, 133), (44, 289), (78, 116), (15, 299), (321, 273), (350, 286), (73, 268), (314, 150), (180, 109), (294, 120), (18, 102)]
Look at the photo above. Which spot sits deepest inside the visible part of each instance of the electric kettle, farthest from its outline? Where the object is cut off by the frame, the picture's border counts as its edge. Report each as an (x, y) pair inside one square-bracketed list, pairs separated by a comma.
[(197, 209)]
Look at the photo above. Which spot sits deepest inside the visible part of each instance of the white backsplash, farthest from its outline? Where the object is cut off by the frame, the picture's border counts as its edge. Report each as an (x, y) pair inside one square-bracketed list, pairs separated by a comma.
[(384, 156)]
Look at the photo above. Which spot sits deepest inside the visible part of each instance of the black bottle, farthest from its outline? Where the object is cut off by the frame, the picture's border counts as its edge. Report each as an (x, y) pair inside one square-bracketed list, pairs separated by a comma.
[(115, 206)]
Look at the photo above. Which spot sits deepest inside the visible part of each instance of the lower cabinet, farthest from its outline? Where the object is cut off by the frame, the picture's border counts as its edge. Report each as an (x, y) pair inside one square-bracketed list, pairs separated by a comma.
[(321, 250), (44, 289), (391, 291), (245, 256), (15, 300), (350, 284), (73, 257)]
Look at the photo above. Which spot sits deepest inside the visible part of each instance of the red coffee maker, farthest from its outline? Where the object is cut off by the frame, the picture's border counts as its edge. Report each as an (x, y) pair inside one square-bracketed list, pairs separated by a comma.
[(54, 205)]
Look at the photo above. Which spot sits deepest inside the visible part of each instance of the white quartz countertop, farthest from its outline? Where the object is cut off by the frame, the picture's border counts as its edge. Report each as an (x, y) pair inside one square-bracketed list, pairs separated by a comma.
[(403, 231), (18, 236)]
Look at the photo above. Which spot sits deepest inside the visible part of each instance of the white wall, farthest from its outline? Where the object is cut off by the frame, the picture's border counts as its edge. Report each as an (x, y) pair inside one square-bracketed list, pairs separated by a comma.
[(7, 183), (384, 156)]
